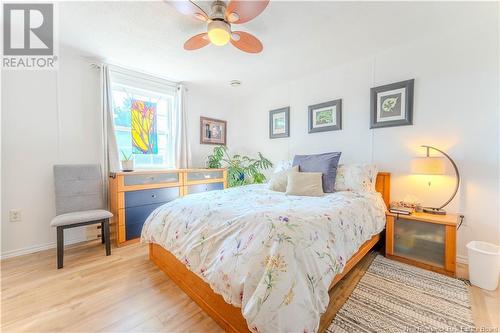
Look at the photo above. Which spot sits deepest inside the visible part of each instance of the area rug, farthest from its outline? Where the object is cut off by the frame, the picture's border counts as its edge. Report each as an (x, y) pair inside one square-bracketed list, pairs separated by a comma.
[(395, 297)]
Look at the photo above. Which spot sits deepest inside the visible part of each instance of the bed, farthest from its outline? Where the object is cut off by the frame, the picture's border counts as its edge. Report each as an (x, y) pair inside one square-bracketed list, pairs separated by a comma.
[(261, 261)]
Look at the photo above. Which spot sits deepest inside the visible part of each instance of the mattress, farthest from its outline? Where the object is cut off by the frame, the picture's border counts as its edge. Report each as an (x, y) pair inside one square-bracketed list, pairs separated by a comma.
[(271, 254)]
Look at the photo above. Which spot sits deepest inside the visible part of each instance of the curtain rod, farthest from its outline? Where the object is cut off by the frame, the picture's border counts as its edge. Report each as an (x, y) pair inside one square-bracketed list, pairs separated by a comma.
[(134, 72)]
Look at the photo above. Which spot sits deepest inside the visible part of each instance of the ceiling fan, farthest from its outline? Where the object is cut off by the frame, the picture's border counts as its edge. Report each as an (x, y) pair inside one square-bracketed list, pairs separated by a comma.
[(219, 23)]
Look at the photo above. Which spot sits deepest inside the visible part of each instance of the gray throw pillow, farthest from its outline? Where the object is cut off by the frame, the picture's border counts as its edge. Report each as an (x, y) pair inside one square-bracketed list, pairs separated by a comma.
[(325, 163)]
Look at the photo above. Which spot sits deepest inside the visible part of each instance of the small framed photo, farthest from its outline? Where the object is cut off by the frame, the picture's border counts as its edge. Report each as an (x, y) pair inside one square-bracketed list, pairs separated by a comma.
[(392, 105), (279, 123), (213, 131), (325, 117)]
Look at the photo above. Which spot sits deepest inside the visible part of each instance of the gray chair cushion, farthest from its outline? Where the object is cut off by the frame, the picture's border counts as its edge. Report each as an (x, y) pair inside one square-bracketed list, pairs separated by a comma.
[(78, 187), (325, 163), (78, 217)]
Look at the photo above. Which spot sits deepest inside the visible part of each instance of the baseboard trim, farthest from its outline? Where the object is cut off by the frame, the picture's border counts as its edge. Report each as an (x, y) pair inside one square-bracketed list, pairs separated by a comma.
[(462, 259), (40, 247)]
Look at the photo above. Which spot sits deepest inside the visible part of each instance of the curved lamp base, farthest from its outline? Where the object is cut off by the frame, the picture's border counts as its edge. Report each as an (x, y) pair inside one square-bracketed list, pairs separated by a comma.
[(440, 210), (437, 211)]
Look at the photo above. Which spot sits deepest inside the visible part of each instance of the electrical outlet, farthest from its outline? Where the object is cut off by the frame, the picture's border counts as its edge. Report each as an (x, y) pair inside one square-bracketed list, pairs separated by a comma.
[(15, 215)]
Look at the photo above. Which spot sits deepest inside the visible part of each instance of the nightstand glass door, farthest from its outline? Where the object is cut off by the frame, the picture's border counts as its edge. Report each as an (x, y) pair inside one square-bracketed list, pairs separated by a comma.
[(419, 241)]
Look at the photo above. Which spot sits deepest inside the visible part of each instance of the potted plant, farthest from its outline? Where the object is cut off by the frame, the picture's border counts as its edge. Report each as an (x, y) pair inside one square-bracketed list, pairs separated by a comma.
[(241, 170), (127, 162)]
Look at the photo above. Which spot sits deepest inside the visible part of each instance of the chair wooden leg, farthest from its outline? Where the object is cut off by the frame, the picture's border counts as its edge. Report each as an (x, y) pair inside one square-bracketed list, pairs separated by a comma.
[(103, 237), (60, 247), (106, 236)]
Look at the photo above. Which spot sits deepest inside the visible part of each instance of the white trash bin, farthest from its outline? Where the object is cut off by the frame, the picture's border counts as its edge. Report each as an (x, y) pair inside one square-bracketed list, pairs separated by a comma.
[(484, 264)]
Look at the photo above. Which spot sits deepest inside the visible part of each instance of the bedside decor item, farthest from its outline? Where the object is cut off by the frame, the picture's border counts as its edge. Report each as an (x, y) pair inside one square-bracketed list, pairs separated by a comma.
[(241, 170), (435, 166), (325, 117), (213, 131), (279, 123), (401, 210), (326, 163), (424, 240), (392, 104), (127, 162), (406, 206)]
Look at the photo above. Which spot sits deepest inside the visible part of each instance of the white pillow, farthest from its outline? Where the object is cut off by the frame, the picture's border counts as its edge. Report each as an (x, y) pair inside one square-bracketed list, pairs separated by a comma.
[(279, 180), (356, 177), (283, 165)]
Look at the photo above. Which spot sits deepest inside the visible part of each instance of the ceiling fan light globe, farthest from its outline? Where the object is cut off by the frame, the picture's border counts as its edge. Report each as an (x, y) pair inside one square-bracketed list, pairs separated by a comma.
[(219, 33)]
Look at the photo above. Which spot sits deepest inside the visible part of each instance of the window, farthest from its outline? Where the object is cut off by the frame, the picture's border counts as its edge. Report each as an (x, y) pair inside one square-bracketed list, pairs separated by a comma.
[(143, 113)]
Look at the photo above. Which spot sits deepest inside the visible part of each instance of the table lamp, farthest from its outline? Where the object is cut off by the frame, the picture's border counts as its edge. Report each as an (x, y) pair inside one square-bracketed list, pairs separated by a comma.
[(435, 166)]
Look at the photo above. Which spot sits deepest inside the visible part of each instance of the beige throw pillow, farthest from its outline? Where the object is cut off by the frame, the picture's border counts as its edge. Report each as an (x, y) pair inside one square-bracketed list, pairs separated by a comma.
[(305, 184), (280, 179)]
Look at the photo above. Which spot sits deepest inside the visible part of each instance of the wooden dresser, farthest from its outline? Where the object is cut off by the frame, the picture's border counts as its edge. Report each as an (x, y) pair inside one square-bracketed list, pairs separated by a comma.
[(134, 195)]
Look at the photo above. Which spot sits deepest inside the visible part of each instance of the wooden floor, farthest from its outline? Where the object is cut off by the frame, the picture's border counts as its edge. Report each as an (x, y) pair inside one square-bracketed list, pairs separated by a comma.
[(125, 292)]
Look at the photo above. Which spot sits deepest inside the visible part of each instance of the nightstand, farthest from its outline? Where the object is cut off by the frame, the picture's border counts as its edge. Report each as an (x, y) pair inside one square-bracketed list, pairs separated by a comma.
[(424, 240)]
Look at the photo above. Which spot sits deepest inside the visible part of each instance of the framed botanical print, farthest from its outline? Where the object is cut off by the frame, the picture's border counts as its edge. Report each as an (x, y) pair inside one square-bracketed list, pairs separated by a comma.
[(279, 123), (325, 117), (392, 104), (213, 131)]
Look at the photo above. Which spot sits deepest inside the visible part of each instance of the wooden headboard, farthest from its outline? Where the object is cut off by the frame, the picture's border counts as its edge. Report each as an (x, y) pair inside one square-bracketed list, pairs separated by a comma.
[(383, 185)]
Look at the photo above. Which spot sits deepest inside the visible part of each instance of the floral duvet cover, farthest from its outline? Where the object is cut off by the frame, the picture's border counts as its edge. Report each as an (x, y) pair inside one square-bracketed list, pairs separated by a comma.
[(271, 254)]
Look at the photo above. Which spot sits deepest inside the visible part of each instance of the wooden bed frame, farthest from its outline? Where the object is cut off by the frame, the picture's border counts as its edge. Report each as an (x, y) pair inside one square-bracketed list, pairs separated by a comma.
[(226, 315)]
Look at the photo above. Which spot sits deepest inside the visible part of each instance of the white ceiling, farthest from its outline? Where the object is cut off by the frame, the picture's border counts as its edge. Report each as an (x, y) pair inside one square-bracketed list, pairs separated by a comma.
[(298, 37)]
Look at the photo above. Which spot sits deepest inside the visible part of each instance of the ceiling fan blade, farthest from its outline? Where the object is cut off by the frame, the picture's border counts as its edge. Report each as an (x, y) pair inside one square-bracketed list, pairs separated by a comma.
[(246, 42), (188, 8), (197, 42), (241, 11)]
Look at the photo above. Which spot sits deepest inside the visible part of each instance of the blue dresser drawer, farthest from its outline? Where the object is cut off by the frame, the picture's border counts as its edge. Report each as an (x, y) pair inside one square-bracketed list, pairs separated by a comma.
[(154, 196), (133, 231), (135, 218), (191, 189)]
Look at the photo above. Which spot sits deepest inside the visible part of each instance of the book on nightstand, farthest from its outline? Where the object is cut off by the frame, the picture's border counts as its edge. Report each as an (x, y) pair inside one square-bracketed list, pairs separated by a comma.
[(401, 210)]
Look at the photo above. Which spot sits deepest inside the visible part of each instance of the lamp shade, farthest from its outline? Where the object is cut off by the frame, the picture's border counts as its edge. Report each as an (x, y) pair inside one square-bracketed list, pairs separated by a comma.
[(428, 165)]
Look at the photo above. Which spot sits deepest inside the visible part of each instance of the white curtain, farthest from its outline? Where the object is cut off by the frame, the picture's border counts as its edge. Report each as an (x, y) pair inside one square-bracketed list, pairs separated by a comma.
[(180, 133), (111, 158), (177, 150)]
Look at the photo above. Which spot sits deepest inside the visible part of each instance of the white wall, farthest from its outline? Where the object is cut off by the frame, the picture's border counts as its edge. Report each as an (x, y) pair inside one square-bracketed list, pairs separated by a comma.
[(51, 117), (456, 108), (208, 102)]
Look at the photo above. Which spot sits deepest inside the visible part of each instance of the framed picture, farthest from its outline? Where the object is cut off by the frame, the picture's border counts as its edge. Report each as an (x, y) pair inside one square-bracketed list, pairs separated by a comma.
[(392, 105), (279, 123), (213, 131), (325, 117)]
